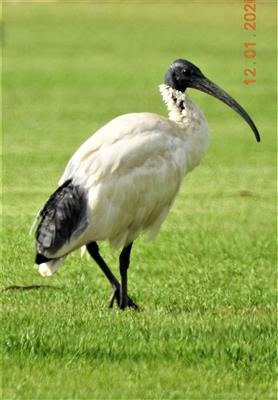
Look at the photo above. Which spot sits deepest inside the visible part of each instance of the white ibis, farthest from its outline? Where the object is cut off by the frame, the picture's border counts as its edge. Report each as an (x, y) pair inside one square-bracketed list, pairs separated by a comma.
[(124, 179)]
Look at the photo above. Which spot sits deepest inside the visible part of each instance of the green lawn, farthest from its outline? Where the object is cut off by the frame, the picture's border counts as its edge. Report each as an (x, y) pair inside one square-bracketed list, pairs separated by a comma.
[(207, 284)]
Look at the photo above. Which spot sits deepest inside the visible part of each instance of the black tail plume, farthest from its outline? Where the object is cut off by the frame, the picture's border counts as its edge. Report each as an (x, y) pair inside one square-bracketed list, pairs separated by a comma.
[(63, 217)]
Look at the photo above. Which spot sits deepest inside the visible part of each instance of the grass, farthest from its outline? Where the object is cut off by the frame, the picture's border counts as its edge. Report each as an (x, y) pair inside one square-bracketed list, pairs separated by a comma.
[(207, 284)]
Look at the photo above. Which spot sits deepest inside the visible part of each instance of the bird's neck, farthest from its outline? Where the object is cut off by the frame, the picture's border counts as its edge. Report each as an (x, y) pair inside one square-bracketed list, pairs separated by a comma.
[(191, 120), (181, 109)]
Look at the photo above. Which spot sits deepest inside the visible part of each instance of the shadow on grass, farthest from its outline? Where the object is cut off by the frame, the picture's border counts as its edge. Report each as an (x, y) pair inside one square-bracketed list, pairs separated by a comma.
[(29, 287)]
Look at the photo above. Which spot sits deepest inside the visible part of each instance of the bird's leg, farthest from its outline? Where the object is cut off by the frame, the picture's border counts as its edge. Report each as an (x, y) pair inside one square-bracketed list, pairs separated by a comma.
[(94, 252), (124, 264)]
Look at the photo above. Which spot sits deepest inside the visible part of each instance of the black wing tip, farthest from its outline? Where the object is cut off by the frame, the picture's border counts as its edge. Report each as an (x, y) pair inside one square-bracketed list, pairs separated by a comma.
[(40, 259), (52, 197), (63, 217)]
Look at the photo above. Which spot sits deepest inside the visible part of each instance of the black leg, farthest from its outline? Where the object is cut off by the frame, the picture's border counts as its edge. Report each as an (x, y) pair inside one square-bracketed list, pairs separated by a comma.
[(94, 252), (124, 264)]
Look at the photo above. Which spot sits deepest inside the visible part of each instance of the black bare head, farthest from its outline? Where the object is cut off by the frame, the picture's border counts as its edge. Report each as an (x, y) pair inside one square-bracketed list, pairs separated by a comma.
[(183, 74)]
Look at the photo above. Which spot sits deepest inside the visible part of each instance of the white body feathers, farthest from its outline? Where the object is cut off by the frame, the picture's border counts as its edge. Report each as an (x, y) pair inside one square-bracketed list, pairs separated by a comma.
[(132, 169)]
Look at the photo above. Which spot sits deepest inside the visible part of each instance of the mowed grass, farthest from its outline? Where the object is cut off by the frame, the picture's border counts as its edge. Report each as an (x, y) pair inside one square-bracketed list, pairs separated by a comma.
[(207, 284)]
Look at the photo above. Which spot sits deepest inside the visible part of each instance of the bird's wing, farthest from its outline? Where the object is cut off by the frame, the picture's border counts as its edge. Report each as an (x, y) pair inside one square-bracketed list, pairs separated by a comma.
[(122, 131), (131, 169)]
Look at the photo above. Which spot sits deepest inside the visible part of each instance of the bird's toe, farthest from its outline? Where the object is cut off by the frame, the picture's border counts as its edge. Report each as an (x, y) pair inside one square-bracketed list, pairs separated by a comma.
[(115, 296), (130, 303)]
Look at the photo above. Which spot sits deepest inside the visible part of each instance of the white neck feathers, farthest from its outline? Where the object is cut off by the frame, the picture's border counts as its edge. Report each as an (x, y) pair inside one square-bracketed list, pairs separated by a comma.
[(181, 109), (192, 122)]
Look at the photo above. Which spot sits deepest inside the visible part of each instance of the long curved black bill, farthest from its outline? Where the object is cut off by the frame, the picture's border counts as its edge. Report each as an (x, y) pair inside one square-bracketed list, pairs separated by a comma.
[(205, 85)]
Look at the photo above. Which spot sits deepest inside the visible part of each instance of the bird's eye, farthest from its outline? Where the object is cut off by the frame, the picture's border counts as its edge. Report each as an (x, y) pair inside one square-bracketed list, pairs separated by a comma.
[(184, 71)]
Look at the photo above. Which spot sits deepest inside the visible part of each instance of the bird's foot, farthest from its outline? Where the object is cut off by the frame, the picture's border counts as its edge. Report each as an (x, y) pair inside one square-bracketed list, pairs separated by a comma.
[(116, 296)]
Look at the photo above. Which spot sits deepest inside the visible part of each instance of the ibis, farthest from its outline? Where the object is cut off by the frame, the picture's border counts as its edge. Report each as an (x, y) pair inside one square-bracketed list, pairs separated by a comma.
[(124, 179)]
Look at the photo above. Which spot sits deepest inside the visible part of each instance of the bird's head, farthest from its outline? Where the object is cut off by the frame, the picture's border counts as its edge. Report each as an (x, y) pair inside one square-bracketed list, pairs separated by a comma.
[(183, 74)]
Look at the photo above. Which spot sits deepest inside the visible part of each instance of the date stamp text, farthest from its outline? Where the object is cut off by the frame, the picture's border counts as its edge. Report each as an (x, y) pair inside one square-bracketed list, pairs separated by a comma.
[(249, 47)]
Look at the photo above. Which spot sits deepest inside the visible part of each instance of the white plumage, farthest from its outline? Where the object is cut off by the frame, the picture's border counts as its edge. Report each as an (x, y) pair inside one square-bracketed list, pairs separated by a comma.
[(132, 169), (129, 172)]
